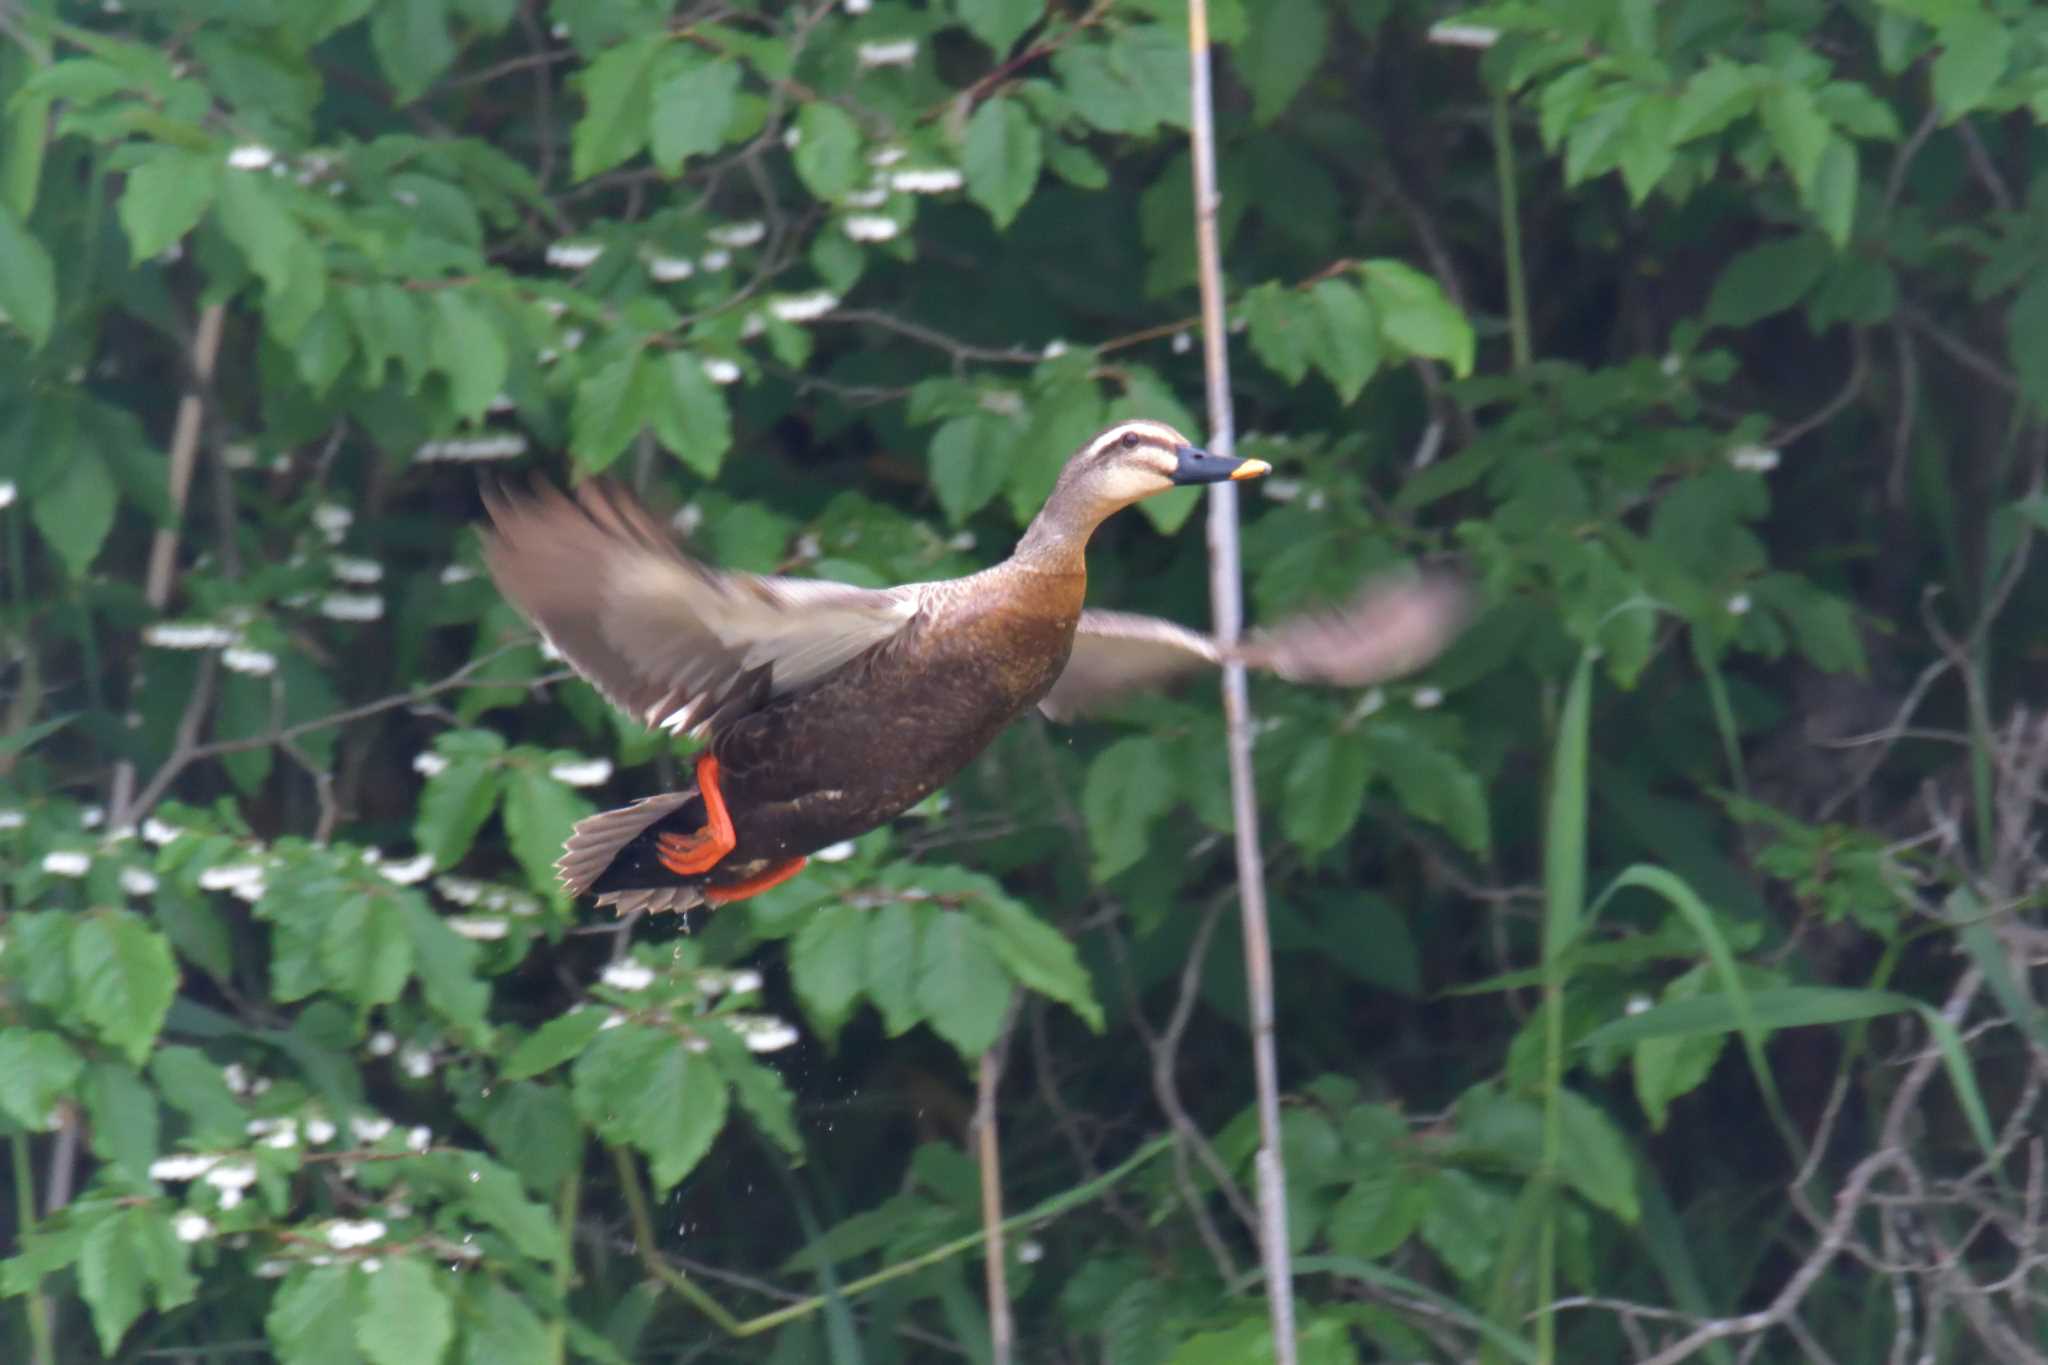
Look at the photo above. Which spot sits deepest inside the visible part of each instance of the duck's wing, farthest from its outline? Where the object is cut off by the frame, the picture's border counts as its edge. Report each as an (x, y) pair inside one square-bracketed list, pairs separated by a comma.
[(1389, 628), (671, 641)]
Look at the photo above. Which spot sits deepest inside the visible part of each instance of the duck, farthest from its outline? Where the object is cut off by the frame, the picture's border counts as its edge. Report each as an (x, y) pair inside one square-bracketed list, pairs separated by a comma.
[(825, 709)]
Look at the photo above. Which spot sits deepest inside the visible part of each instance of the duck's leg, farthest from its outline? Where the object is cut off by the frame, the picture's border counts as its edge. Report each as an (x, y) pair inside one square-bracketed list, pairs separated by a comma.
[(775, 875), (688, 855)]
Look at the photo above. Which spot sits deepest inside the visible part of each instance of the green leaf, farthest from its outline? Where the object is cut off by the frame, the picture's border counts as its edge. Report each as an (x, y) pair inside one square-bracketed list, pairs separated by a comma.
[(410, 38), (611, 407), (827, 149), (1129, 786), (126, 1124), (968, 462), (1766, 279), (252, 214), (312, 1321), (962, 989), (470, 351), (1063, 417), (1378, 1213), (889, 963), (1596, 1159), (164, 199), (1417, 316), (1002, 158), (502, 1330), (1280, 52), (28, 281), (827, 965), (1324, 791), (2026, 331), (494, 1196), (558, 1040), (641, 1085), (365, 949), (110, 1276), (1000, 23), (1833, 194), (1039, 956), (192, 1082), (1797, 129), (125, 976), (759, 1088), (446, 964), (1713, 98), (36, 1071), (1433, 784), (692, 110), (1975, 50), (1666, 1068), (618, 106), (1347, 340), (407, 1319), (75, 511), (1772, 1008), (539, 813), (689, 414), (1284, 329), (454, 806)]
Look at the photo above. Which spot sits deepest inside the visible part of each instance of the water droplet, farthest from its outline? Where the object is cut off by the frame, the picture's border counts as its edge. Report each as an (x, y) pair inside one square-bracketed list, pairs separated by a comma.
[(475, 1176)]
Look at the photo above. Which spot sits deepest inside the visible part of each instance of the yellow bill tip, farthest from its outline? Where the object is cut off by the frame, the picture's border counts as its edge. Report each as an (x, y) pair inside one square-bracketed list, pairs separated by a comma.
[(1250, 469)]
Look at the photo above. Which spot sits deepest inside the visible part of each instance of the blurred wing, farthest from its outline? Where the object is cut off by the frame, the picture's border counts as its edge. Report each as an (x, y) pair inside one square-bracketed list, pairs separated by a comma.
[(1117, 652), (663, 637), (1390, 628)]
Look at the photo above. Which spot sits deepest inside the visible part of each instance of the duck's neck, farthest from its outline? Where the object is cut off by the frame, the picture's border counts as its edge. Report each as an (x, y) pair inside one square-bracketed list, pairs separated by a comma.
[(1056, 541)]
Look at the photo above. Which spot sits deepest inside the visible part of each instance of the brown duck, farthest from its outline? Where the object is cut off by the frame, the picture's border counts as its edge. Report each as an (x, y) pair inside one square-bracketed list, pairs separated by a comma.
[(829, 709)]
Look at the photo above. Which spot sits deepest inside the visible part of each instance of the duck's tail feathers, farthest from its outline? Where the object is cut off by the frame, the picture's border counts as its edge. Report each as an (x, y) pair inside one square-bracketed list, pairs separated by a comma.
[(595, 844)]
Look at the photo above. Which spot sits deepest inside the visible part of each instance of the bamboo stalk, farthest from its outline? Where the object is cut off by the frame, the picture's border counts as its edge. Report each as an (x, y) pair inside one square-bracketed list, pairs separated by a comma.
[(1226, 595)]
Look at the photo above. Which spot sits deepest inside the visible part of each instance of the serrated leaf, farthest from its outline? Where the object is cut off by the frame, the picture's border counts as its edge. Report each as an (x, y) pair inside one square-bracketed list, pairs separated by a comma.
[(827, 965), (1378, 1213), (1129, 786), (502, 1330), (609, 412), (1416, 315), (827, 149), (164, 198), (1280, 52), (1347, 341), (446, 964), (1766, 279), (689, 414), (679, 1109), (407, 1319), (1833, 195), (469, 350), (252, 214), (75, 511), (539, 813), (110, 1277), (125, 977), (28, 280), (968, 460), (692, 110), (454, 806), (1975, 50), (1284, 326), (1713, 98), (494, 1196), (962, 989), (312, 1321), (126, 1124), (192, 1082), (618, 105), (1596, 1158), (889, 964), (1324, 792), (1000, 23), (1039, 956), (1063, 418), (36, 1071), (365, 949), (558, 1040), (1433, 784), (1797, 129), (1667, 1068), (411, 40), (758, 1087), (1002, 157)]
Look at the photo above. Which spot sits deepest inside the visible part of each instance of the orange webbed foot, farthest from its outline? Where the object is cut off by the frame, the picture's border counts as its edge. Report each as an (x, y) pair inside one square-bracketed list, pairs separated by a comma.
[(690, 855), (775, 875)]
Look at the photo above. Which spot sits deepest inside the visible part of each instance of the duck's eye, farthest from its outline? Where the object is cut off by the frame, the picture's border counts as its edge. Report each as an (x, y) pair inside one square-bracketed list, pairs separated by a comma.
[(1130, 441)]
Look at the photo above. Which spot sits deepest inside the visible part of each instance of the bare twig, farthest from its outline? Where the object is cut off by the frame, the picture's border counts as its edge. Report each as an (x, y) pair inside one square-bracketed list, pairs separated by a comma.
[(1226, 593), (1001, 1328)]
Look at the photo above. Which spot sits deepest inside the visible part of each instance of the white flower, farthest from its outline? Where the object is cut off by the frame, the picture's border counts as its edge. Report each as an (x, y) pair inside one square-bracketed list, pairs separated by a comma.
[(191, 1227), (273, 1269), (416, 1061), (719, 370), (835, 853), (183, 1166), (138, 881), (260, 663), (6, 492), (318, 1131), (352, 606), (370, 1265), (281, 1133), (1738, 605), (369, 1128), (1182, 343), (871, 227), (1280, 490), (231, 1175), (1672, 365), (887, 156), (429, 764), (739, 234), (188, 635), (871, 198), (228, 876), (804, 307), (859, 6), (251, 156), (66, 863), (236, 1077), (687, 519), (574, 255), (1030, 1251), (716, 260), (1426, 698), (355, 569), (461, 890), (962, 541), (382, 1043), (1463, 35), (1753, 459), (483, 928), (333, 519), (419, 1139), (1054, 349), (159, 832), (502, 445), (413, 869), (763, 1032), (13, 819), (588, 772), (628, 976), (926, 180), (669, 269), (1637, 1004), (238, 455), (894, 52), (611, 1020), (456, 573), (744, 980), (343, 1235)]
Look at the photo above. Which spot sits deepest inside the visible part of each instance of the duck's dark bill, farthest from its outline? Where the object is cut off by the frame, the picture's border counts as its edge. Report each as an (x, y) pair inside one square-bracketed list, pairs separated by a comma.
[(1199, 466)]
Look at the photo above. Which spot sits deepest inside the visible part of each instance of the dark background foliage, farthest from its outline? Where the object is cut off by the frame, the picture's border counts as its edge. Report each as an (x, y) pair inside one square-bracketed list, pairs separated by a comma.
[(1656, 973)]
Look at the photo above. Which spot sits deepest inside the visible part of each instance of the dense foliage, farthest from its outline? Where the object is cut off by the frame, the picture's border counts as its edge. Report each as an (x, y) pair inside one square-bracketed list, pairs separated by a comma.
[(1655, 972)]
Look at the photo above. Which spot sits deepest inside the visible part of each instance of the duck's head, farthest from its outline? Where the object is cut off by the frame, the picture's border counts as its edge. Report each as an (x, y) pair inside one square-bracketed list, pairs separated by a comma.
[(1133, 460)]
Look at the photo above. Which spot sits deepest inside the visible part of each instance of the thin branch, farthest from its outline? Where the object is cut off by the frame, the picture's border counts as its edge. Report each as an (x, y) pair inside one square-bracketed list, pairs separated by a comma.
[(1002, 1328)]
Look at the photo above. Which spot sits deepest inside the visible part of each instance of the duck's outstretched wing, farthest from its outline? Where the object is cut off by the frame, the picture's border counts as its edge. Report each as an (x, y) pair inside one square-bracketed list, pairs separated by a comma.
[(668, 640), (1391, 627)]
